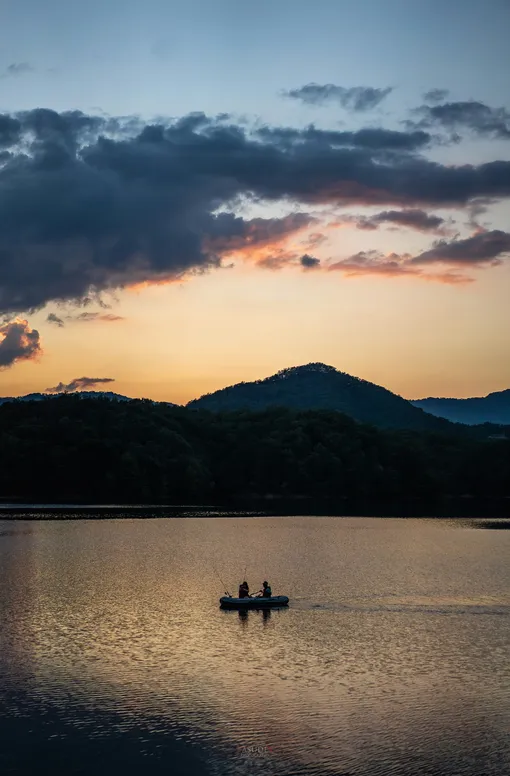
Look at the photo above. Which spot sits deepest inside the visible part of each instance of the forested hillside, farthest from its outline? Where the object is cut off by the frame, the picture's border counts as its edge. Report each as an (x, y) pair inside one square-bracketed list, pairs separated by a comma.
[(494, 408), (74, 448), (318, 386)]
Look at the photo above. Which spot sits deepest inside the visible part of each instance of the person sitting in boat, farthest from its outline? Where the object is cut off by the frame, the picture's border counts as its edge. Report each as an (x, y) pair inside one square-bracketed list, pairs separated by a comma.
[(266, 590), (244, 590)]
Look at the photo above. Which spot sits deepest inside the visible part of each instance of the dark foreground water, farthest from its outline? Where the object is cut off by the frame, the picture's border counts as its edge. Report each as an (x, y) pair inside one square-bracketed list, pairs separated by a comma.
[(393, 658)]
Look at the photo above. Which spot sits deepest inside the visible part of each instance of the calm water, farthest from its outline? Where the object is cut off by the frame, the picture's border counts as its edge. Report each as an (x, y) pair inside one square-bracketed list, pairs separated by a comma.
[(392, 659)]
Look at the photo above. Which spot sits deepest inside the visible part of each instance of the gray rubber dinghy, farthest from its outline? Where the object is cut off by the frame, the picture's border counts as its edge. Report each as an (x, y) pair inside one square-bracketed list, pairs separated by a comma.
[(228, 602)]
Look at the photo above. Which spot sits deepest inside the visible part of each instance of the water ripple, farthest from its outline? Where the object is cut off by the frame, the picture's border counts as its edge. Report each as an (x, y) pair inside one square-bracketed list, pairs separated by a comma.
[(114, 654)]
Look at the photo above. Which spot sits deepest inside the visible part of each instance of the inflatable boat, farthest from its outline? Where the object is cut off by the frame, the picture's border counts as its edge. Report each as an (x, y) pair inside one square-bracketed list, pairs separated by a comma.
[(228, 602)]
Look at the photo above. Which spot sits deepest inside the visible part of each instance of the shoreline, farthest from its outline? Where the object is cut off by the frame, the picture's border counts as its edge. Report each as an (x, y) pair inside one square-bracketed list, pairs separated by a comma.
[(453, 509)]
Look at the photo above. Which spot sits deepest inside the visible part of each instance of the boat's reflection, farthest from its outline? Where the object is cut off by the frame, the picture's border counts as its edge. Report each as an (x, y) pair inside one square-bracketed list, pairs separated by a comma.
[(264, 613)]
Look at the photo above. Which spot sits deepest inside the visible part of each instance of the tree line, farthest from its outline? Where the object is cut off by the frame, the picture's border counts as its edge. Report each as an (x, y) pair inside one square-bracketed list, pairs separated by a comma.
[(98, 450)]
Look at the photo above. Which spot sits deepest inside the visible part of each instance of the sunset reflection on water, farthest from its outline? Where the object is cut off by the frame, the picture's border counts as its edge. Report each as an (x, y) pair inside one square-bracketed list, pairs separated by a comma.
[(391, 659)]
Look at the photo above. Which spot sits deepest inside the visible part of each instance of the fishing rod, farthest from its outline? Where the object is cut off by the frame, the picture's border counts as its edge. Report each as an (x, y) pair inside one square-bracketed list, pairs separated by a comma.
[(222, 582)]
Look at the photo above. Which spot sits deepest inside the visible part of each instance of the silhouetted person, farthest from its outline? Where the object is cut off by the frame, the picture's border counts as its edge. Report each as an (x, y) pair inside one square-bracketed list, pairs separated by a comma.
[(244, 590), (266, 590)]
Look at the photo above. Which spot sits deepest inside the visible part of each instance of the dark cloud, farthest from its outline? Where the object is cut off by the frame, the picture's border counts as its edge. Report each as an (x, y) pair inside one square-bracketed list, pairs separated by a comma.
[(374, 138), (230, 234), (53, 318), (90, 317), (355, 98), (55, 137), (485, 248), (10, 129), (414, 219), (475, 117), (268, 242), (436, 95), (86, 317), (309, 262), (18, 343), (360, 222), (80, 384), (482, 248), (89, 204), (16, 69)]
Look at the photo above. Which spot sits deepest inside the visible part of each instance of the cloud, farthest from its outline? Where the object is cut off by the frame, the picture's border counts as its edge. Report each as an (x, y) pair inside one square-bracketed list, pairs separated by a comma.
[(485, 248), (90, 204), (80, 384), (476, 117), (265, 242), (18, 343), (278, 260), (374, 262), (53, 318), (414, 219), (86, 317), (480, 249), (10, 130), (392, 265), (232, 234), (91, 317), (15, 69), (309, 262), (355, 98), (372, 138), (476, 209), (436, 95), (314, 240)]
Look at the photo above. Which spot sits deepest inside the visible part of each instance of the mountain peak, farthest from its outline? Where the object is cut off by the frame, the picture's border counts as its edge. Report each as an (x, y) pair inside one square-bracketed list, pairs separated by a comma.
[(315, 367), (317, 386)]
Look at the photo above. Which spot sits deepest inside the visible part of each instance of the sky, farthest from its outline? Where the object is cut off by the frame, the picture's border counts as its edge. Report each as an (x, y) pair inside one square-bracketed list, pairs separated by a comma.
[(195, 194)]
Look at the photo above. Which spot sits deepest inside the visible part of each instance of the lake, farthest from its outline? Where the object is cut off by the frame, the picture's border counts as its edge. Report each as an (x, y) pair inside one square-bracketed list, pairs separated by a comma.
[(392, 659)]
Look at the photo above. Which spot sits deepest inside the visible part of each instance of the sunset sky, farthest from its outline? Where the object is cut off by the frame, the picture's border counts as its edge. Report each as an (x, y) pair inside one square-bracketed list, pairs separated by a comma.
[(198, 193)]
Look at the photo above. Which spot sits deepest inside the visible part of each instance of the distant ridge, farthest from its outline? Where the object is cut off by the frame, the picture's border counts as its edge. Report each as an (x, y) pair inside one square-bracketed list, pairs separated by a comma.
[(319, 386), (493, 408), (86, 394)]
